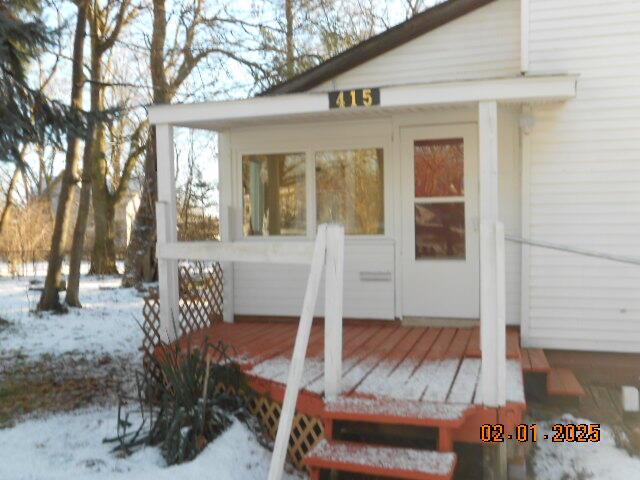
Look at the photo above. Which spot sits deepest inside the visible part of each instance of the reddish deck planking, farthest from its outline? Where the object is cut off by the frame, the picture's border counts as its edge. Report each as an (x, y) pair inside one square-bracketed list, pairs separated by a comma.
[(375, 355)]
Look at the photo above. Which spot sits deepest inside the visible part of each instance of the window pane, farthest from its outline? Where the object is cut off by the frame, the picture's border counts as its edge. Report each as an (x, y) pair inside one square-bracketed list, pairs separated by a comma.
[(439, 167), (350, 190), (440, 230), (273, 188)]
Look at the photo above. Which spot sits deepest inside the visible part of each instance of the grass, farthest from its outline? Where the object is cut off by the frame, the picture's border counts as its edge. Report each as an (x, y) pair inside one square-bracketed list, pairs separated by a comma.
[(55, 384)]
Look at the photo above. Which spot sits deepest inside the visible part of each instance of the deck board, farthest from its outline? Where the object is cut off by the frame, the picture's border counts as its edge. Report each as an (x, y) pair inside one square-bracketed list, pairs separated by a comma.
[(352, 359), (538, 360), (466, 381), (440, 385), (371, 360), (377, 379)]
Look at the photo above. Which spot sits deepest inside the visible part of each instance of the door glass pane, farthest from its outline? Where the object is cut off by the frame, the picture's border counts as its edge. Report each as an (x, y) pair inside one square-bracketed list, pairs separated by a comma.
[(350, 190), (439, 167), (273, 189), (440, 230)]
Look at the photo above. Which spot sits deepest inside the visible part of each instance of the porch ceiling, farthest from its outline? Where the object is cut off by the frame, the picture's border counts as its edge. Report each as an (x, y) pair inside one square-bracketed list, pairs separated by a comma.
[(314, 106)]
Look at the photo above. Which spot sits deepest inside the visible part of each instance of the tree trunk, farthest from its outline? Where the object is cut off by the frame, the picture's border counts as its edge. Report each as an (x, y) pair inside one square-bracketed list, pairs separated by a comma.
[(103, 255), (50, 299), (140, 263), (9, 199), (291, 56), (77, 249)]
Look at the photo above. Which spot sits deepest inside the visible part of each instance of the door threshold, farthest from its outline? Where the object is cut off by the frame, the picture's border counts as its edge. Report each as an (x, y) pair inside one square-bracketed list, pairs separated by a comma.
[(411, 321)]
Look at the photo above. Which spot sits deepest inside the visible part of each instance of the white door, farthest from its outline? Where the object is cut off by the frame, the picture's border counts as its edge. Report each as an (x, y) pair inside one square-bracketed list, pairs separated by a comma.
[(440, 240)]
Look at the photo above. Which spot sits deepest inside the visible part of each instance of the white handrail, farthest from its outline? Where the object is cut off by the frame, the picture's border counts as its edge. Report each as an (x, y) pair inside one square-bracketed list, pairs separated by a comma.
[(334, 275), (297, 359), (328, 251), (299, 252)]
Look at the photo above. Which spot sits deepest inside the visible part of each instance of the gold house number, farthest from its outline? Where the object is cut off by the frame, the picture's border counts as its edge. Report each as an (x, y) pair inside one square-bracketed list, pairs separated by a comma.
[(359, 97)]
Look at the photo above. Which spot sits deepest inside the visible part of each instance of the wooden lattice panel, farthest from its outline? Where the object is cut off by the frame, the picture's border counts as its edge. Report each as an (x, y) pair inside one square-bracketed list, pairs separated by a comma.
[(200, 307), (200, 296), (306, 431)]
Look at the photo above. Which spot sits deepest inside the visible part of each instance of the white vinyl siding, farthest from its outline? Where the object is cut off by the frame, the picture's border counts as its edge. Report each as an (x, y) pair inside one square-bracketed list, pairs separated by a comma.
[(509, 207), (584, 177), (278, 290), (482, 44)]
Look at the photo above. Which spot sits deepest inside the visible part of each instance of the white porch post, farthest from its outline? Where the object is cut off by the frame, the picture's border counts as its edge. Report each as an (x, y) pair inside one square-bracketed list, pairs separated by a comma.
[(333, 292), (167, 224), (225, 182), (492, 308)]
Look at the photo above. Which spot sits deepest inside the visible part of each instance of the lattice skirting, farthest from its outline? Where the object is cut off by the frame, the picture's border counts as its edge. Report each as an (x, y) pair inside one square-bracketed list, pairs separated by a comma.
[(306, 430), (200, 307)]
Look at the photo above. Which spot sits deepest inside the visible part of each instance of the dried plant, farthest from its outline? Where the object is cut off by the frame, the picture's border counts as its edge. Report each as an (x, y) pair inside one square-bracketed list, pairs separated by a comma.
[(191, 409)]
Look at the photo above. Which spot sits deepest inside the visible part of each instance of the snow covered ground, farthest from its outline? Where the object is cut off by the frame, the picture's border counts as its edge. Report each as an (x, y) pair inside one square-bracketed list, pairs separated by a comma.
[(582, 461), (108, 323), (69, 447)]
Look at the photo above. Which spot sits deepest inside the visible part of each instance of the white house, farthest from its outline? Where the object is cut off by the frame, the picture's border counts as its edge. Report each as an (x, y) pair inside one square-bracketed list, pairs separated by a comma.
[(427, 142)]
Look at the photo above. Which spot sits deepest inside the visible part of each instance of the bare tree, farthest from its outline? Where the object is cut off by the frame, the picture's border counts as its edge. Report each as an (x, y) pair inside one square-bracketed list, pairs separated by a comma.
[(50, 299), (8, 203), (106, 23), (198, 36)]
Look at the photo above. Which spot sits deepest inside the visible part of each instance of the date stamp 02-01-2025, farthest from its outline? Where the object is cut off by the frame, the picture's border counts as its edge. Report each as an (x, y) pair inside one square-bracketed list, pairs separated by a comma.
[(570, 432)]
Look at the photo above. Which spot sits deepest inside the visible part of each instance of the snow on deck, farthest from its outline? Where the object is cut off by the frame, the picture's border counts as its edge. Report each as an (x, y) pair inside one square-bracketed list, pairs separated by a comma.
[(397, 408), (383, 360), (407, 460)]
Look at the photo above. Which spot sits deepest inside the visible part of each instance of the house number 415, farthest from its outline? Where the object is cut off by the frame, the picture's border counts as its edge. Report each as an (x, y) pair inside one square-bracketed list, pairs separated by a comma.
[(360, 97)]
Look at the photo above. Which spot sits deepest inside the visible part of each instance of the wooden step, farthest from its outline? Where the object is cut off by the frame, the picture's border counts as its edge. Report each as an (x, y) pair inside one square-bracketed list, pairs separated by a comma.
[(397, 412), (402, 463), (512, 346), (534, 361), (561, 382)]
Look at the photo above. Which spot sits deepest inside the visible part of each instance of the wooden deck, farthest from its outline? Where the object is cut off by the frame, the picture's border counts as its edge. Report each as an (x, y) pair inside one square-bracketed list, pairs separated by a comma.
[(380, 360)]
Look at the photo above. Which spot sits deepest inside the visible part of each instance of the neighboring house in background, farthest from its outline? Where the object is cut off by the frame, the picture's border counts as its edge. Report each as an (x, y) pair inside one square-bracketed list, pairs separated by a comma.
[(125, 212)]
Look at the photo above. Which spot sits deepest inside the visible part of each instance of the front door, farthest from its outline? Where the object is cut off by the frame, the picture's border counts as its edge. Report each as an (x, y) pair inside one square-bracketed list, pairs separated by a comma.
[(440, 240)]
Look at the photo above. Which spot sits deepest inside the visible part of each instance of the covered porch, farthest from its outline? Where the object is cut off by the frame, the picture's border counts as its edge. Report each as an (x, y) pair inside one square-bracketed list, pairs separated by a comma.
[(453, 379)]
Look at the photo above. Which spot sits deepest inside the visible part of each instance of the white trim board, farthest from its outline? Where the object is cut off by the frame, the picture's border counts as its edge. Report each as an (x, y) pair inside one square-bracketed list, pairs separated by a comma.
[(216, 115)]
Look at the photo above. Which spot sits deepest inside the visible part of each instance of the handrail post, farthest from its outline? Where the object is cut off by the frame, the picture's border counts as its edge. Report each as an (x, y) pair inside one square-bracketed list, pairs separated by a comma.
[(297, 358), (167, 232), (334, 273), (501, 323)]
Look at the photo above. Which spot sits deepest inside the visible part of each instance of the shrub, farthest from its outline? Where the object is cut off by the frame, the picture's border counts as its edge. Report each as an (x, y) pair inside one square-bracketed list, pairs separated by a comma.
[(192, 409)]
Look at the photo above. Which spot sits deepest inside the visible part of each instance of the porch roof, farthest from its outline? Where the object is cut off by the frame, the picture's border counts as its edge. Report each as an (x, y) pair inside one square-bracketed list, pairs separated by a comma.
[(310, 106)]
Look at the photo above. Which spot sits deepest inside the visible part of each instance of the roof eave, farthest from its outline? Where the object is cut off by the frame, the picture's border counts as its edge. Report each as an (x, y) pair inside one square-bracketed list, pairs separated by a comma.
[(416, 26)]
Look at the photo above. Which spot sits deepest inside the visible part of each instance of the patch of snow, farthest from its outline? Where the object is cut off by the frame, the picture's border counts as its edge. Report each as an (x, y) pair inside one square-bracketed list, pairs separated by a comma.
[(397, 408), (70, 447), (404, 459), (466, 381), (515, 383), (108, 323), (601, 460)]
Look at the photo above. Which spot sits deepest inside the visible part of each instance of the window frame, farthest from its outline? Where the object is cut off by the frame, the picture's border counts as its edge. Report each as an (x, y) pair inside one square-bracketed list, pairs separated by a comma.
[(309, 149), (458, 199)]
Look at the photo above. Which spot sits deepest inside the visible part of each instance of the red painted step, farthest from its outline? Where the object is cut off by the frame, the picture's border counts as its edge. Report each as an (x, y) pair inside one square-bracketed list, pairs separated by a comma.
[(402, 463), (397, 412), (534, 361), (562, 382)]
